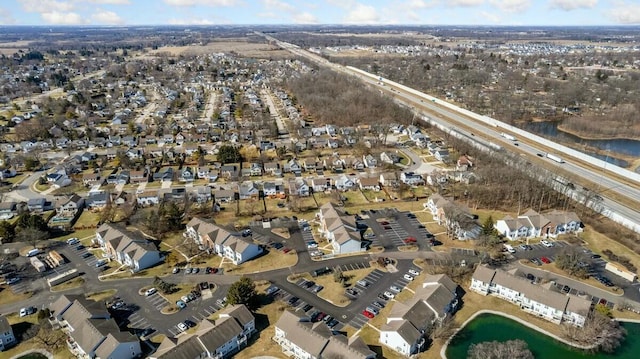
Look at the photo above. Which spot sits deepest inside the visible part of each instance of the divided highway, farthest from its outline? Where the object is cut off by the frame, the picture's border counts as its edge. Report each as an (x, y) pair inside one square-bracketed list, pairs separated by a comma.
[(449, 116)]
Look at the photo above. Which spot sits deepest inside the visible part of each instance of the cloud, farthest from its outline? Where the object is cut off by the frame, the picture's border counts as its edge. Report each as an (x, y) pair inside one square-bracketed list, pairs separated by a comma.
[(362, 14), (625, 14), (492, 17), (463, 3), (202, 2), (108, 2), (277, 4), (6, 18), (105, 17), (43, 6), (418, 4), (304, 18), (511, 5), (568, 5), (62, 18)]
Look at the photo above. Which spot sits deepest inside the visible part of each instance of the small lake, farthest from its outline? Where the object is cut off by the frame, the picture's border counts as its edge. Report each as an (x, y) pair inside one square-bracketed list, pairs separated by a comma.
[(622, 146), (490, 327), (33, 356)]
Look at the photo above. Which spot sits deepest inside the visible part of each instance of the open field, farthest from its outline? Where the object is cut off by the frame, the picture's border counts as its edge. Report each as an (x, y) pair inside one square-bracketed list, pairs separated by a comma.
[(239, 46)]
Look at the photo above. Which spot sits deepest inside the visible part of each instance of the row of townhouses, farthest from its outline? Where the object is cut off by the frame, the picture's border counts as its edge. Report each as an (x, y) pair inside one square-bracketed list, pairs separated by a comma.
[(340, 229), (127, 248), (539, 300), (217, 339), (217, 240), (532, 224)]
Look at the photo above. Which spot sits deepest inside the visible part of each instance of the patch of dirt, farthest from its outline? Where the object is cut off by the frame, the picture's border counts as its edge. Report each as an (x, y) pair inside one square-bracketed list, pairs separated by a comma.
[(239, 46)]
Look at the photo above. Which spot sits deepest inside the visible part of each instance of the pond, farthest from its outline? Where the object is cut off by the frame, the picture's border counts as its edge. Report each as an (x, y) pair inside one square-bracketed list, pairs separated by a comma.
[(623, 146), (33, 356), (490, 327)]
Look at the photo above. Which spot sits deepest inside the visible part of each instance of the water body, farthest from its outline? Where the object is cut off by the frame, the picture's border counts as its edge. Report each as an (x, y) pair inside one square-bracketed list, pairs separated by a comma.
[(622, 146), (33, 356), (490, 327)]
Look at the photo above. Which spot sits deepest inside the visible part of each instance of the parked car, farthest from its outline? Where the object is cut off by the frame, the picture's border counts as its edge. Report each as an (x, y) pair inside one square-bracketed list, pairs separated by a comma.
[(27, 311), (546, 243), (332, 323), (317, 288), (13, 280), (536, 261), (80, 247), (389, 295), (181, 304), (117, 305), (378, 305), (368, 314), (408, 277), (182, 326), (414, 272), (307, 307), (293, 300), (208, 270), (409, 240), (150, 291), (175, 270), (545, 260), (195, 270), (87, 255), (395, 289)]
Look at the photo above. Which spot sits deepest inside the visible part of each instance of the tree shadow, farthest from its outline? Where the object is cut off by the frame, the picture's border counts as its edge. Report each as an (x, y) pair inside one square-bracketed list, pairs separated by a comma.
[(24, 330)]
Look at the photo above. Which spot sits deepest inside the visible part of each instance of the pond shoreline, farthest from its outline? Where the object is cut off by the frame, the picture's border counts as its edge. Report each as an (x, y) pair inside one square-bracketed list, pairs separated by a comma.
[(443, 350), (31, 351)]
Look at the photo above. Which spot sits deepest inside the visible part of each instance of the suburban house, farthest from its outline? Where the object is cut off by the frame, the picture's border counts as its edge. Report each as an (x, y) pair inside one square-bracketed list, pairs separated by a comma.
[(164, 175), (464, 163), (70, 207), (138, 176), (532, 224), (148, 198), (320, 184), (186, 174), (458, 220), (8, 210), (302, 339), (275, 188), (539, 300), (389, 179), (369, 183), (344, 183), (272, 168), (411, 178), (92, 179), (409, 323), (389, 157), (224, 195), (299, 187), (217, 339), (369, 161), (215, 239), (97, 200), (7, 338), (127, 248), (248, 189), (340, 229), (292, 166), (91, 330)]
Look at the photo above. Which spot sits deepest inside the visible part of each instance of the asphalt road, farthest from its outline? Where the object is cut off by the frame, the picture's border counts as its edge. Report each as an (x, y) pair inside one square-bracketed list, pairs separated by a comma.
[(606, 184)]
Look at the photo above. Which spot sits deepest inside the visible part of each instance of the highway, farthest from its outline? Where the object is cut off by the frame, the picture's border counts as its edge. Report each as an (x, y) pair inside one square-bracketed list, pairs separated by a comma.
[(452, 119)]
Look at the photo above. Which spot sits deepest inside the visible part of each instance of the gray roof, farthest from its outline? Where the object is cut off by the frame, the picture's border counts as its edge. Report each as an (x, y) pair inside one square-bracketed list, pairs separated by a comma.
[(213, 336), (238, 312), (4, 325), (188, 347)]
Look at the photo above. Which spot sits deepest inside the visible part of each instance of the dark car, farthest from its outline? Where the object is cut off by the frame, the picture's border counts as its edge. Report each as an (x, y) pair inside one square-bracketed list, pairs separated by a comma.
[(80, 247), (387, 227), (308, 284), (293, 300), (332, 323), (307, 307), (317, 288), (204, 285), (87, 255), (539, 155), (596, 256), (208, 270), (531, 277)]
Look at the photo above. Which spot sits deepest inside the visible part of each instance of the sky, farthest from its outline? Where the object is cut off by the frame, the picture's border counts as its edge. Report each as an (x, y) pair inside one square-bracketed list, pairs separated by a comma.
[(379, 12)]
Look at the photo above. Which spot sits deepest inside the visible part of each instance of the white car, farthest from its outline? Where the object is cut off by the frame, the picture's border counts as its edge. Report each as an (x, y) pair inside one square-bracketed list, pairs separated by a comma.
[(389, 295), (182, 326), (546, 243), (414, 272), (27, 311), (393, 288), (408, 277), (150, 291)]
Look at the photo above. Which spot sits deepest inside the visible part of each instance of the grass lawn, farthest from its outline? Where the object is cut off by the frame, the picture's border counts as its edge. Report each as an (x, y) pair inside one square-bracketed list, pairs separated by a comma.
[(73, 188), (87, 219), (18, 178), (261, 344), (73, 283), (599, 242), (101, 296), (371, 336), (272, 260), (333, 292), (8, 297), (355, 198)]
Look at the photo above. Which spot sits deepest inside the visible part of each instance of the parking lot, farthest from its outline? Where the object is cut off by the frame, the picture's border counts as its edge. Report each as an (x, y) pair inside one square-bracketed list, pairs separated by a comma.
[(392, 228), (157, 301), (373, 298)]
